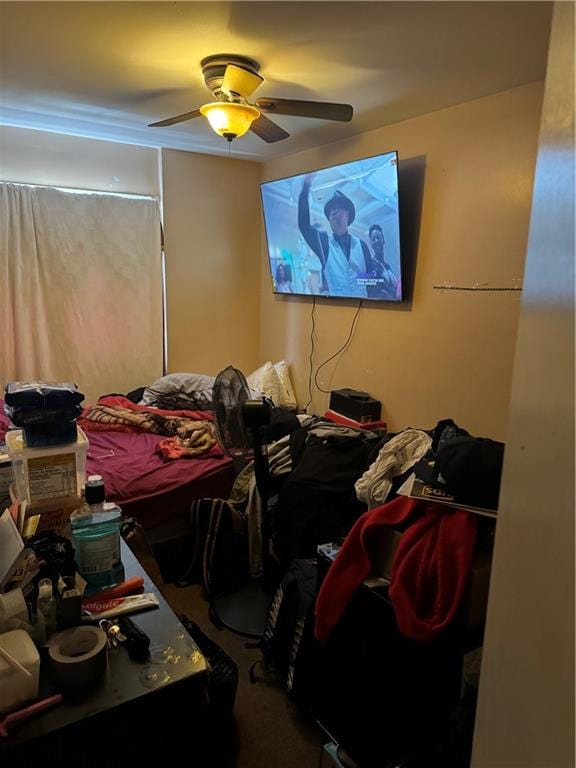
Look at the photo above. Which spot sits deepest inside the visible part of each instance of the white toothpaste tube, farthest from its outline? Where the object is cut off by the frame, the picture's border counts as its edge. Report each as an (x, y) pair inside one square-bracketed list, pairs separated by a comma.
[(104, 609)]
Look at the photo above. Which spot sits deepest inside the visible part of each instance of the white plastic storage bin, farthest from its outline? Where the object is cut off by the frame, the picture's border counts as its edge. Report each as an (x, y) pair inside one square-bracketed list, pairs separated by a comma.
[(47, 473)]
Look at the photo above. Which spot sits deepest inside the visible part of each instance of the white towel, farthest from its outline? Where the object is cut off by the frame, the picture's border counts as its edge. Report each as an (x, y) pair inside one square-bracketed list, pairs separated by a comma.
[(395, 457)]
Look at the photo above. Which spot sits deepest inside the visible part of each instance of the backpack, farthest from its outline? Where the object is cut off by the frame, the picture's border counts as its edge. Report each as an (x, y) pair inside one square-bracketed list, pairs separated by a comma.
[(288, 637), (213, 551), (220, 545)]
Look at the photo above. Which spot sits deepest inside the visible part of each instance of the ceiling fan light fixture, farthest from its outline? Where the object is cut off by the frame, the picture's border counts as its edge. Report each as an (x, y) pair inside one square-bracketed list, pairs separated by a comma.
[(230, 119)]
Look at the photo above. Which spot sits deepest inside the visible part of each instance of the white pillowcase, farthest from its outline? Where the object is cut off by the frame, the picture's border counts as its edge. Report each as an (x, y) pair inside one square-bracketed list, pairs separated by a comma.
[(274, 382), (288, 395), (265, 380)]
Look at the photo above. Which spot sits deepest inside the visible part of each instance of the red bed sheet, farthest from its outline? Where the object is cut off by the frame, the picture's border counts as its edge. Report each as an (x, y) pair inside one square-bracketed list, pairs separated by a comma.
[(146, 486)]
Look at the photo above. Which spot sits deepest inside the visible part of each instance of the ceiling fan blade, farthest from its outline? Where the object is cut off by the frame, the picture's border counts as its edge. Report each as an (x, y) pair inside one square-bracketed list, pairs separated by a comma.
[(324, 110), (240, 81), (267, 130), (176, 119)]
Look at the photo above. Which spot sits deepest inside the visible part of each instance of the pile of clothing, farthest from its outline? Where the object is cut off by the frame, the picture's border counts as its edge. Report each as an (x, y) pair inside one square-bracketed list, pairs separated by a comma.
[(432, 560), (46, 411), (449, 461), (317, 502), (313, 467)]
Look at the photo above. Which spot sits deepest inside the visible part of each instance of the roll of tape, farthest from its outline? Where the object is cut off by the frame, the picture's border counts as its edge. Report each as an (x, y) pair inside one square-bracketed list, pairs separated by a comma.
[(78, 656)]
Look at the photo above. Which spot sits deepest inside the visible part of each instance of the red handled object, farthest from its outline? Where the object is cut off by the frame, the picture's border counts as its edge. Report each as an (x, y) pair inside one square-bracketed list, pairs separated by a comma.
[(24, 714), (120, 590)]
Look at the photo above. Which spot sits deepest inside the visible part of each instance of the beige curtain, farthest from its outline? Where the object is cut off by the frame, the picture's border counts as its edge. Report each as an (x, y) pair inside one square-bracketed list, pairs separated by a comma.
[(80, 289)]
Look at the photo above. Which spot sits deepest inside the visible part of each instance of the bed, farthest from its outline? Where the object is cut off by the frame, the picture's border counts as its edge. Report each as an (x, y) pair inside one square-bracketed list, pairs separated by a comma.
[(155, 491)]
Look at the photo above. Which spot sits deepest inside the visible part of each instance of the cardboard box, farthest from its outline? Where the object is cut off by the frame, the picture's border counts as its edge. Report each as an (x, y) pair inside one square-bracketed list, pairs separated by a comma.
[(51, 515), (383, 553), (475, 598), (5, 477)]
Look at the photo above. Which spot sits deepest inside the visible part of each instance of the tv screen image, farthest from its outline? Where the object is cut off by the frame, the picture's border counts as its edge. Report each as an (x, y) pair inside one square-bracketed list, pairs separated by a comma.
[(335, 232)]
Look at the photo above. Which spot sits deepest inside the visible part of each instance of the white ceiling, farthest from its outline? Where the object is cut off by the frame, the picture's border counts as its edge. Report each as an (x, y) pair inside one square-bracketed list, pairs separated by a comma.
[(107, 69)]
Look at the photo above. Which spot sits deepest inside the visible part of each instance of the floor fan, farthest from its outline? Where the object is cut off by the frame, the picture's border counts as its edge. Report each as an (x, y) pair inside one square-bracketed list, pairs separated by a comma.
[(238, 421)]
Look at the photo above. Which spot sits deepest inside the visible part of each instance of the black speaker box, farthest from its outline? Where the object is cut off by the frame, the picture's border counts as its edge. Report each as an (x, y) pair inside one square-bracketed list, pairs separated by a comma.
[(355, 405)]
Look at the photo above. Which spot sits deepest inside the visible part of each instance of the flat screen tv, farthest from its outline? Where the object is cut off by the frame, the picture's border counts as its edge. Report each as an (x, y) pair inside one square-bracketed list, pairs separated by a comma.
[(335, 232)]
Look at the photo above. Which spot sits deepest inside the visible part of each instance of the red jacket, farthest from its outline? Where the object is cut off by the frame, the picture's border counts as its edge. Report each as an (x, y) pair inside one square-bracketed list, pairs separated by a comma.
[(430, 568)]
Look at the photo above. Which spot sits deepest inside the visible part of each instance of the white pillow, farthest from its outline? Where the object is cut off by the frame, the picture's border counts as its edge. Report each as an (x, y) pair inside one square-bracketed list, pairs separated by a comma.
[(288, 395), (265, 380), (177, 384)]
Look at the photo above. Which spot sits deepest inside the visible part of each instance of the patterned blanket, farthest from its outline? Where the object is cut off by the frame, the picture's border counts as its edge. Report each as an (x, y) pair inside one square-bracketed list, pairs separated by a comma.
[(189, 437)]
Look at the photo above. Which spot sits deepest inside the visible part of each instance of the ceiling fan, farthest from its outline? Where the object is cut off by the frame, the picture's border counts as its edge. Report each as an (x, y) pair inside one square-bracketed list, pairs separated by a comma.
[(232, 80)]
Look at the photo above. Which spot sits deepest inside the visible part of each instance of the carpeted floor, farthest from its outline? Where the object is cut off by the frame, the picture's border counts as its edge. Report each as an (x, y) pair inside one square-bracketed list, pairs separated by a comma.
[(270, 731)]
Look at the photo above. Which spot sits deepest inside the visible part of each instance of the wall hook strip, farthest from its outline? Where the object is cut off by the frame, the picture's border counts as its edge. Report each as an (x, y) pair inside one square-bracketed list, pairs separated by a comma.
[(473, 288)]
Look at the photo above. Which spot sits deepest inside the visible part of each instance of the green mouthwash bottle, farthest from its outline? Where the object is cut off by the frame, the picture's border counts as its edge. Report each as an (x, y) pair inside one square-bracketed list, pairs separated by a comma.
[(96, 537)]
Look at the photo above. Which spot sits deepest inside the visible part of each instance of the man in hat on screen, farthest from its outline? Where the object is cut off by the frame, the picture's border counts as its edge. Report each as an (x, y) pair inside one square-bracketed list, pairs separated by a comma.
[(344, 257)]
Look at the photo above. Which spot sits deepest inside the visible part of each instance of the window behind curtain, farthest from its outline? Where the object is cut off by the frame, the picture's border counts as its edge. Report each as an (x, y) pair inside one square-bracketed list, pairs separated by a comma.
[(80, 288)]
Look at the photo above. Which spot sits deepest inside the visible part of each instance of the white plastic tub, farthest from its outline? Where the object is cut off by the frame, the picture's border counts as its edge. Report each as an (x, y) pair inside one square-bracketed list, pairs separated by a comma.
[(17, 688), (47, 473)]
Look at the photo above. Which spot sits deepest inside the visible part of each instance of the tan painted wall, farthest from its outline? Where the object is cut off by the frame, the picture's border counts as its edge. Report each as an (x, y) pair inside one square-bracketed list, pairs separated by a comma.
[(466, 180), (55, 159), (212, 243), (526, 704)]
